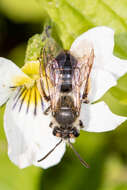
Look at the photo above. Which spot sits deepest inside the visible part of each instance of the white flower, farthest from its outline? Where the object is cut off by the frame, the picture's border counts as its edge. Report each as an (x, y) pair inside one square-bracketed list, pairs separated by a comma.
[(27, 128)]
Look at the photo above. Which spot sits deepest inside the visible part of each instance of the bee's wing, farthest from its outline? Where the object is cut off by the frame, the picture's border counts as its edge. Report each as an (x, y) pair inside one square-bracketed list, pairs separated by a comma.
[(81, 76), (50, 79), (54, 82)]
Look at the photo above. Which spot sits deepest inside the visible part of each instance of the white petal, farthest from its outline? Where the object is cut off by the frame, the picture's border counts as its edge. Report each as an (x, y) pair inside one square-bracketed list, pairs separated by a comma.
[(101, 38), (116, 66), (98, 118), (29, 136), (100, 81), (8, 70), (106, 67)]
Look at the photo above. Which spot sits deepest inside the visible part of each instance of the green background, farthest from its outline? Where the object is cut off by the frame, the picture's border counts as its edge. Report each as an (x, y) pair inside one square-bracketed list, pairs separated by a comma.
[(105, 152)]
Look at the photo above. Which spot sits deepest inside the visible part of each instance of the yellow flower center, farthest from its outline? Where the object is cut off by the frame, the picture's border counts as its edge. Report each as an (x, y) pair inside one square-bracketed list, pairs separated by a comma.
[(31, 69)]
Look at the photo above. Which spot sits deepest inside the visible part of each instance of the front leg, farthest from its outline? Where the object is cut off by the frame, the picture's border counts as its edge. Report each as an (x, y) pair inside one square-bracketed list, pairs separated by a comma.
[(47, 111), (53, 124), (81, 124)]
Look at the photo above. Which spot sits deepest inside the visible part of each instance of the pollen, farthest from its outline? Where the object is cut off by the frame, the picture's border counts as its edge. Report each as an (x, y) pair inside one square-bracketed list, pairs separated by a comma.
[(31, 68), (21, 80)]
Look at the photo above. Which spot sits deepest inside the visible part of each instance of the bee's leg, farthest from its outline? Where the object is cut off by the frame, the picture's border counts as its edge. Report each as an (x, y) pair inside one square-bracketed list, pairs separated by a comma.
[(51, 124), (85, 95), (48, 30), (85, 98), (40, 84), (41, 90), (81, 124), (86, 101), (47, 111), (86, 91)]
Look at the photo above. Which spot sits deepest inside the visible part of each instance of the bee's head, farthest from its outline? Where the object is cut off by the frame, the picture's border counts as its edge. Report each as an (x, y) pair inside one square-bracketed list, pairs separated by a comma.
[(66, 132), (65, 116)]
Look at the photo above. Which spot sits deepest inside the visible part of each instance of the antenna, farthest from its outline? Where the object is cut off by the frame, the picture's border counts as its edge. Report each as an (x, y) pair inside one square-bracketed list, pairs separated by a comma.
[(50, 151), (78, 155)]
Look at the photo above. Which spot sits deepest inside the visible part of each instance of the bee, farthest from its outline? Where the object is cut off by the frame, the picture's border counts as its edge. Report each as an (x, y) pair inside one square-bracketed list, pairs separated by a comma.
[(66, 79)]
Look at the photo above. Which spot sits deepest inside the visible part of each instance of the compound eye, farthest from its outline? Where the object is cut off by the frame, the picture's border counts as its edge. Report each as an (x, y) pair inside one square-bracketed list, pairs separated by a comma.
[(75, 132)]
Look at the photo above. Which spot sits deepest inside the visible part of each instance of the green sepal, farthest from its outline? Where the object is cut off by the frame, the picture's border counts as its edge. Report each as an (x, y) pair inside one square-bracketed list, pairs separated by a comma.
[(34, 48)]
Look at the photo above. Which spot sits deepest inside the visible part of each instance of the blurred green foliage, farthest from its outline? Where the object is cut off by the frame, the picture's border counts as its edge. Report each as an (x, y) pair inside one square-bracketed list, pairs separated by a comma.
[(106, 152), (22, 11)]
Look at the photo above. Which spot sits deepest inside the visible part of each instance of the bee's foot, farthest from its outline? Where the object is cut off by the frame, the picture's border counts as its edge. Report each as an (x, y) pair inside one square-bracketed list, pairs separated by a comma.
[(47, 111), (86, 101)]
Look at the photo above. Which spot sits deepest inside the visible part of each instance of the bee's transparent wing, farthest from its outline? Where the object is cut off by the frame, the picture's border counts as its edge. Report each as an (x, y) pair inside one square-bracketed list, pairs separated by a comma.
[(50, 78), (49, 70), (81, 78)]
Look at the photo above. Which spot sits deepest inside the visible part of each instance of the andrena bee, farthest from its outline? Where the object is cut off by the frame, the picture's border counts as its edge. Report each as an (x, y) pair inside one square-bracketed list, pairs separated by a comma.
[(66, 79)]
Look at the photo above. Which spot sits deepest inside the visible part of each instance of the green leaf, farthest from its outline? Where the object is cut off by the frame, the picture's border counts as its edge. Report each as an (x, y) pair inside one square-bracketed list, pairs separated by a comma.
[(116, 97), (34, 48), (74, 17)]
